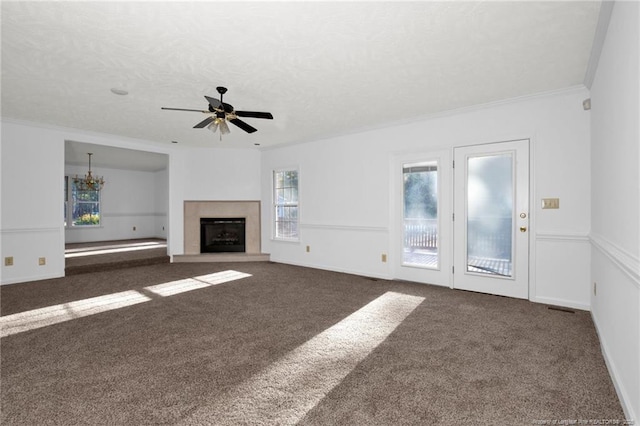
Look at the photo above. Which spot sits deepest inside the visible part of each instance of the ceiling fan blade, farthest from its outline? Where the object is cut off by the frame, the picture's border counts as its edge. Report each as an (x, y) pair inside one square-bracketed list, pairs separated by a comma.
[(214, 102), (203, 123), (182, 109), (244, 126), (254, 114)]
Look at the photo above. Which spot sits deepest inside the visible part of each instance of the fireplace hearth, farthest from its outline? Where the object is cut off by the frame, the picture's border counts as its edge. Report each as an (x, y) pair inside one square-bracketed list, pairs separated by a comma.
[(222, 235)]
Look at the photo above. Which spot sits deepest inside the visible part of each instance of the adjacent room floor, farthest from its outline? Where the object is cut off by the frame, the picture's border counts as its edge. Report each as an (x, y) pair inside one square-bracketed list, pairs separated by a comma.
[(110, 255)]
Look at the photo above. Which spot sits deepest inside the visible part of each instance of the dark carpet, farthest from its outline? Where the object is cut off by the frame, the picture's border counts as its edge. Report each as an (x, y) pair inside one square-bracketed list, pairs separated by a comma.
[(292, 345)]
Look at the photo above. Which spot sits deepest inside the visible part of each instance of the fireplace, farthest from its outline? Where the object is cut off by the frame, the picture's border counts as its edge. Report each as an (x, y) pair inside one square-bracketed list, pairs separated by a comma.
[(196, 210), (222, 235)]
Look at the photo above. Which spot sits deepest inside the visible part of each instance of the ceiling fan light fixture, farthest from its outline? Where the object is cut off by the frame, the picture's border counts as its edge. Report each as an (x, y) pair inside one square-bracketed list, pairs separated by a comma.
[(213, 126), (224, 127), (219, 123)]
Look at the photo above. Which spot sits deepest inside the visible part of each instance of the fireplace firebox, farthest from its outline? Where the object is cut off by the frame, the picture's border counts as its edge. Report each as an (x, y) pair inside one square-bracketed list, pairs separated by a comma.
[(222, 235)]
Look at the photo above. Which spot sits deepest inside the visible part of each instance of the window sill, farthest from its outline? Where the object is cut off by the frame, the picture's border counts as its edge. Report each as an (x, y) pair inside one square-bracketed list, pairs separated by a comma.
[(75, 228), (286, 240)]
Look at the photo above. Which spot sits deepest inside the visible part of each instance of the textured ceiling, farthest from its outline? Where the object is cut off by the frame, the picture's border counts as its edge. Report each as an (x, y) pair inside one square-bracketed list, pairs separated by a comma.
[(322, 69)]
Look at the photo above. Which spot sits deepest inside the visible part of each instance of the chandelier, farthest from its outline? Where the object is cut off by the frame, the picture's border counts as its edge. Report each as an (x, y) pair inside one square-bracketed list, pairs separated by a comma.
[(89, 182)]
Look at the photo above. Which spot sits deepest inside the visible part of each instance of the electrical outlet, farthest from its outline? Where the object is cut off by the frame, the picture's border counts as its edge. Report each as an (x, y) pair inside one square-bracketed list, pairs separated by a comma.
[(42, 261), (384, 257), (8, 261), (308, 249), (595, 285)]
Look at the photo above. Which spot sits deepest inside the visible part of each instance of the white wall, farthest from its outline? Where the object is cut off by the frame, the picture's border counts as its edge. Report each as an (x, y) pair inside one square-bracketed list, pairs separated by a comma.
[(1, 190), (32, 227), (128, 201), (344, 210), (32, 194), (221, 174), (32, 202), (161, 203), (615, 230), (345, 189), (199, 174)]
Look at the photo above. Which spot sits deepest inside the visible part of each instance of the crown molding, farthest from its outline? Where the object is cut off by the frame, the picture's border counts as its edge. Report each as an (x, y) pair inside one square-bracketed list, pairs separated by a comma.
[(598, 41)]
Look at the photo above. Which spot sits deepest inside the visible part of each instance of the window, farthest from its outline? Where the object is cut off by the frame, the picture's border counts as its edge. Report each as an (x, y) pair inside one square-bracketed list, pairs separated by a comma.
[(420, 194), (285, 203), (81, 208)]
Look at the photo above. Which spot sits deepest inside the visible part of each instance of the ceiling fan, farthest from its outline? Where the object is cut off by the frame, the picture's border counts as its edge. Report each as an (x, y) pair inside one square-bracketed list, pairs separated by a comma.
[(220, 112)]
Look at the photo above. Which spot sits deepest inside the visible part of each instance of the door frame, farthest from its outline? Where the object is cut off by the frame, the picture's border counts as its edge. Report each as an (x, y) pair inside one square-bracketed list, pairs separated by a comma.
[(396, 233), (520, 278)]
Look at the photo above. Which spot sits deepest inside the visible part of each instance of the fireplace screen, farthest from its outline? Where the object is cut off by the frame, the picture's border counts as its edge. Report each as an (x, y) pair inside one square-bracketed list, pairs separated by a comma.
[(222, 235)]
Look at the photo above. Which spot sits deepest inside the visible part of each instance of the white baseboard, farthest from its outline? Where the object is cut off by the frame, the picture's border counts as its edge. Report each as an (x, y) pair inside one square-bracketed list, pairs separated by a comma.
[(561, 302), (334, 269), (31, 278), (623, 395)]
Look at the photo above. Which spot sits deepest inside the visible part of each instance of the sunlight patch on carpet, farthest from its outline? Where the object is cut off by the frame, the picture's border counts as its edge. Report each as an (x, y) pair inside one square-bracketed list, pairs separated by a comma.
[(189, 284), (80, 253), (288, 389), (37, 318)]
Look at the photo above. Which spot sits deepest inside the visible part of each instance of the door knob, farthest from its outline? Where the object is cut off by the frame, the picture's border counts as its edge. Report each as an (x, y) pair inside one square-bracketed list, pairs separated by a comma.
[(523, 229)]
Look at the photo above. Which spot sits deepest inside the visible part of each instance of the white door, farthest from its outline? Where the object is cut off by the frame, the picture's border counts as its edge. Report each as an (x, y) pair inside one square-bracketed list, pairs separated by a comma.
[(491, 218)]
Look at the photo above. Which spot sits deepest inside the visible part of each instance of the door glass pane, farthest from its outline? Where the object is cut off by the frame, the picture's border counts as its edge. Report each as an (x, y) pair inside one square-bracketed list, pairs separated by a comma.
[(420, 218), (490, 214)]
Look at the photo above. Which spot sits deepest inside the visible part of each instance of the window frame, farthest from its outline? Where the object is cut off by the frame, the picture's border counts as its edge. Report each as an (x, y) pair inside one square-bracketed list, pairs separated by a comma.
[(275, 205), (69, 206)]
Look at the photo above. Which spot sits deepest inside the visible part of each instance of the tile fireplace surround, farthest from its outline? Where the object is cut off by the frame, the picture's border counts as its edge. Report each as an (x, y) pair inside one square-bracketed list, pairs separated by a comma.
[(194, 210)]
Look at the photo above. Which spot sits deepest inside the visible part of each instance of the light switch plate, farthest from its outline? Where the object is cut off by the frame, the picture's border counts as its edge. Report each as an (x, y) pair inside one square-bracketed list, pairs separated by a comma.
[(551, 203)]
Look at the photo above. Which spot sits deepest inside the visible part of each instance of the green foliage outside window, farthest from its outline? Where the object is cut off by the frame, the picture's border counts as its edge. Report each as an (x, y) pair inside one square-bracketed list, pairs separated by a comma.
[(87, 219)]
